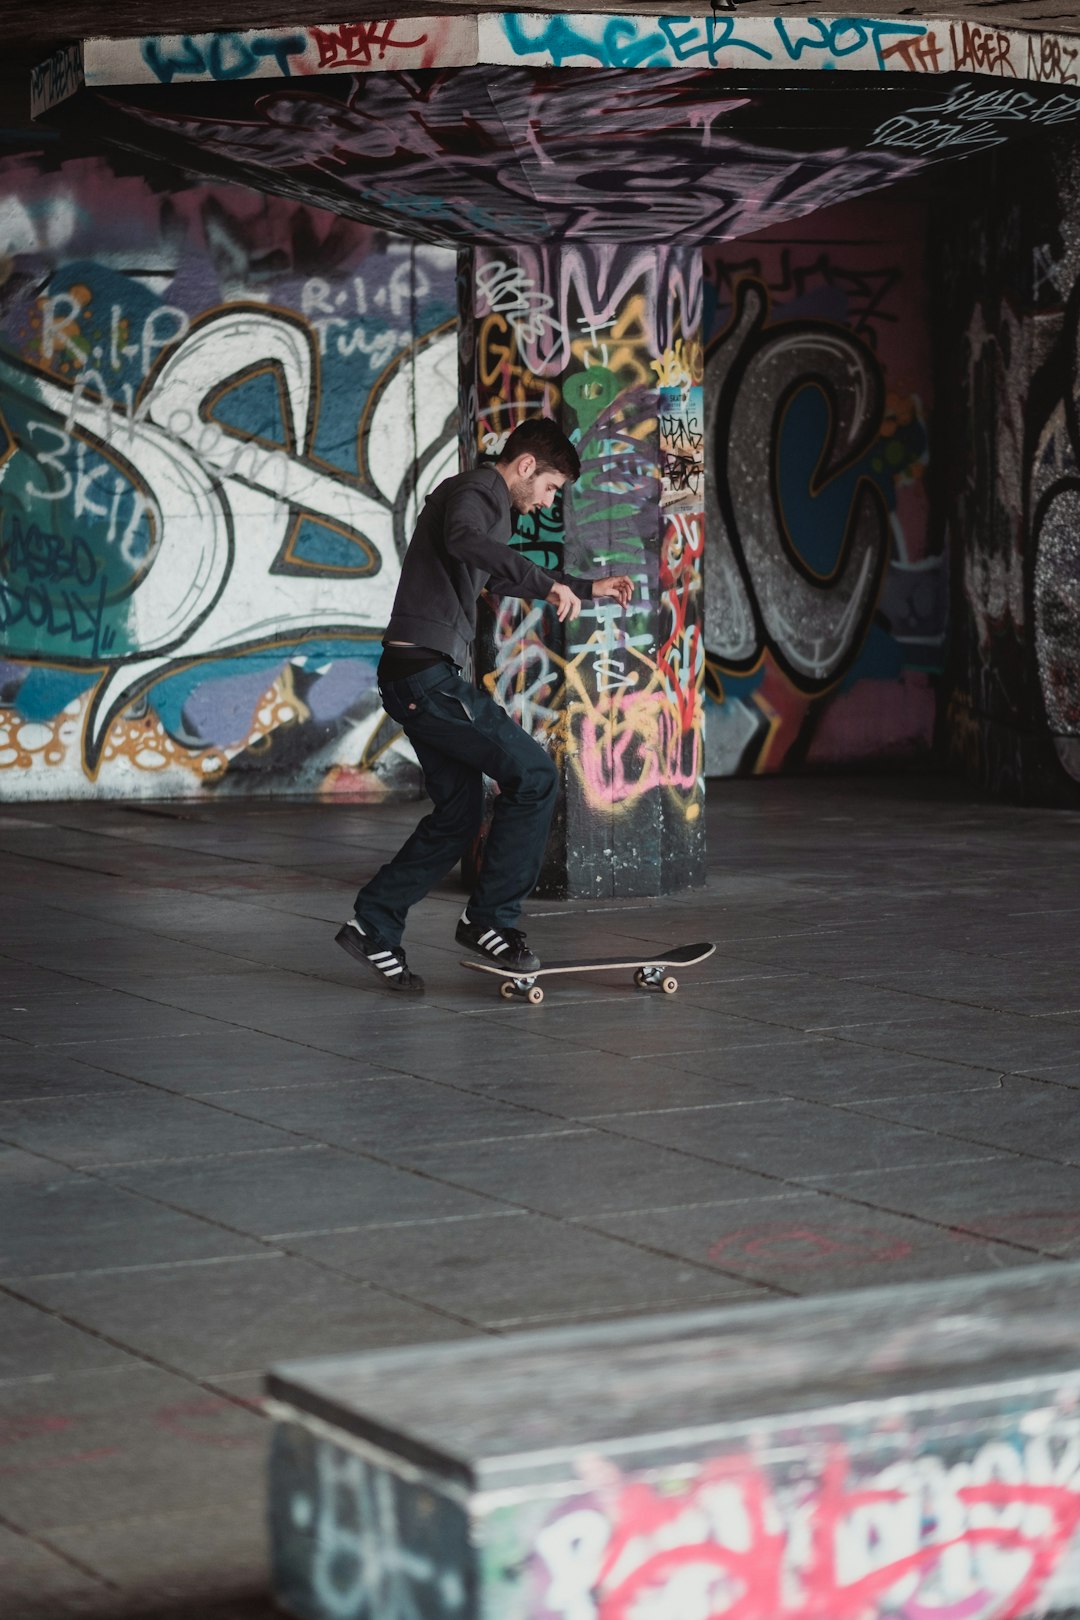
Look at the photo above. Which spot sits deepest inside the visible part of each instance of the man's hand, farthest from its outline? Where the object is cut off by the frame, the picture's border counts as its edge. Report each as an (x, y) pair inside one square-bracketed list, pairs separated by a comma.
[(565, 603), (621, 587)]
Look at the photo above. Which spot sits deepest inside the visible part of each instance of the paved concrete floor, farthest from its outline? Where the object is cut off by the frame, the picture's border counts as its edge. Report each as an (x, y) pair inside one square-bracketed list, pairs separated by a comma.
[(221, 1146)]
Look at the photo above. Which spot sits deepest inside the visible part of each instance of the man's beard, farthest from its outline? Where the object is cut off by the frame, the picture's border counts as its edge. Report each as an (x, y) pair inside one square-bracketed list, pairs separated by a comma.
[(523, 493)]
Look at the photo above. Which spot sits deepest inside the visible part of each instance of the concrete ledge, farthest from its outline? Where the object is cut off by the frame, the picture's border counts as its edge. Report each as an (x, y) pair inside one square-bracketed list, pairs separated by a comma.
[(904, 1452), (1013, 47)]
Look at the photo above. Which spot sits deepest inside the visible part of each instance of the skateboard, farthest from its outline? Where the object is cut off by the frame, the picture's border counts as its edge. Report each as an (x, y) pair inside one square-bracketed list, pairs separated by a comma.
[(650, 972)]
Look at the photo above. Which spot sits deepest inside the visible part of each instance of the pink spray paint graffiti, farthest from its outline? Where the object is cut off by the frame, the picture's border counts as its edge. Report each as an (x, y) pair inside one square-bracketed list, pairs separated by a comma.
[(913, 1540)]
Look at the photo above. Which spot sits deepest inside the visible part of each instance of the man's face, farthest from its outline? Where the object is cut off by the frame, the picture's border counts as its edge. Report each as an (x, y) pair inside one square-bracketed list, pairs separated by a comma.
[(530, 489)]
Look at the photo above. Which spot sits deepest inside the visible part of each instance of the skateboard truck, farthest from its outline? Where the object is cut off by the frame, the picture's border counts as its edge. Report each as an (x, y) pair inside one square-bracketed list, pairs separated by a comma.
[(525, 989), (654, 978)]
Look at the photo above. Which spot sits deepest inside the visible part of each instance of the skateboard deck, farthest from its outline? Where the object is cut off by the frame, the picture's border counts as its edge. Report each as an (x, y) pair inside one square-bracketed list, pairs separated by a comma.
[(651, 972)]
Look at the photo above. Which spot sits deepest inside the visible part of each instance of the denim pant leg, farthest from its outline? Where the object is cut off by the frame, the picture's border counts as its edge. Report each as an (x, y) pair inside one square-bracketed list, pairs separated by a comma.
[(517, 840), (460, 735)]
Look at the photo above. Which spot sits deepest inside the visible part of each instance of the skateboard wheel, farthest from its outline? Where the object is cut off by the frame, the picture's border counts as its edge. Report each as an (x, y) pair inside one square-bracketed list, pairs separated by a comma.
[(506, 990), (669, 985), (639, 978), (536, 995)]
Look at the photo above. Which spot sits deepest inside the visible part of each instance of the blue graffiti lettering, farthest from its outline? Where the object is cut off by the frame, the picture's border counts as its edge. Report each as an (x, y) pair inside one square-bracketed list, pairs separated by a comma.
[(843, 36), (705, 35), (620, 44), (220, 56)]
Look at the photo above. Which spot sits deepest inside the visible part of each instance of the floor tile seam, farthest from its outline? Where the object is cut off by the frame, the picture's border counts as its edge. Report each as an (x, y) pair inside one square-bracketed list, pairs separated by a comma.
[(210, 1099), (797, 1031), (694, 1074), (52, 1097), (36, 1538), (121, 834), (132, 1352), (941, 1001), (706, 1266), (911, 1056), (395, 1226), (275, 1252), (98, 1166), (567, 1223), (824, 1030), (80, 1527), (297, 1085), (213, 1106), (139, 846), (170, 1091), (367, 1156), (577, 1000), (140, 887), (505, 1325), (221, 1026), (751, 1200), (132, 925), (258, 968), (426, 1305), (423, 1144), (862, 1112), (907, 1096), (940, 1164), (575, 1040), (101, 1175), (764, 977), (768, 1101), (948, 1227), (89, 1173), (466, 1091), (267, 1252), (728, 1164), (962, 1001), (844, 1105)]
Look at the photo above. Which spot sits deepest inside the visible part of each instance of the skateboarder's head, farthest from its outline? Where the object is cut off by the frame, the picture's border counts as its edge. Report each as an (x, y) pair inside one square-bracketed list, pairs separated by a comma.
[(536, 461)]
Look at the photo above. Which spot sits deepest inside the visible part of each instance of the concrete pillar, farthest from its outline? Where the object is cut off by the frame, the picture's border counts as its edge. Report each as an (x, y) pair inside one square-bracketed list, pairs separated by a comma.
[(606, 341)]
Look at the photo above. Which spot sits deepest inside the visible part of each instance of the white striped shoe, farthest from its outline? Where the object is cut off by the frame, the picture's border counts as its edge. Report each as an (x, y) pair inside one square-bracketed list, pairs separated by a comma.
[(387, 961), (506, 946)]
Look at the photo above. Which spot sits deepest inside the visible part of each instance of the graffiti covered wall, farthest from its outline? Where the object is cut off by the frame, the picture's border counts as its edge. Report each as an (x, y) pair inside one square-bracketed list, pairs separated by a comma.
[(902, 1524), (1009, 274), (217, 413), (604, 339), (825, 601), (965, 1507)]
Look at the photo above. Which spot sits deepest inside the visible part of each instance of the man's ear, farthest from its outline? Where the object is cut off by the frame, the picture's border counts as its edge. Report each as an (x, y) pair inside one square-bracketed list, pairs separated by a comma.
[(526, 466)]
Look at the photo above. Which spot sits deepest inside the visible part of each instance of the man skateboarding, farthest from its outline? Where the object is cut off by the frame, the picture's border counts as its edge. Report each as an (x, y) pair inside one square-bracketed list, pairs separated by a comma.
[(459, 733)]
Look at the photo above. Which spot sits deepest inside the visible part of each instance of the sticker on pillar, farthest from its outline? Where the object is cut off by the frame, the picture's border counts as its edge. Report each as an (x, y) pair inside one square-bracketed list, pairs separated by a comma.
[(682, 448)]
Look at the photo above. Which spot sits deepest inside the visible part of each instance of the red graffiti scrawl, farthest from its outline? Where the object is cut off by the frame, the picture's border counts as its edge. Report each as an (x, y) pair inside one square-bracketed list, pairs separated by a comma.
[(929, 1548), (359, 44)]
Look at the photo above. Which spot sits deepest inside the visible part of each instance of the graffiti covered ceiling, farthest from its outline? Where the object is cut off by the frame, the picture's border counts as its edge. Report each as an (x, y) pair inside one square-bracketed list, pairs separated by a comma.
[(546, 128)]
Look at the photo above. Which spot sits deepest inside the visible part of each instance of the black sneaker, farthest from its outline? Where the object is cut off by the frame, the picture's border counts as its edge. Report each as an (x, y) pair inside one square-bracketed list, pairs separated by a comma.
[(388, 961), (506, 946)]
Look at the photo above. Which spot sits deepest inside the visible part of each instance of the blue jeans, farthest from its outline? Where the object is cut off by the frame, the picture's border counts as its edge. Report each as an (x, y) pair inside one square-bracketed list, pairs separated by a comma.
[(460, 736)]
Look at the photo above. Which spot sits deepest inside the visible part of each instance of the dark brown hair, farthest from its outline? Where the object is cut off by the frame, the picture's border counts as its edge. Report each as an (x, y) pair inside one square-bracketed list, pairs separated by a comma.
[(538, 436)]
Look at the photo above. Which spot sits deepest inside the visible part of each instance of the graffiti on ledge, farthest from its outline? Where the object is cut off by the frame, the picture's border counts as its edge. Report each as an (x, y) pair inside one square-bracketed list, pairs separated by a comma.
[(726, 39)]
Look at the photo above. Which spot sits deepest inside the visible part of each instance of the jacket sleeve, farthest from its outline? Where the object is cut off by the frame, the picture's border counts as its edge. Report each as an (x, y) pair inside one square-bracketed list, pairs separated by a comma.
[(502, 584), (580, 587), (469, 535)]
